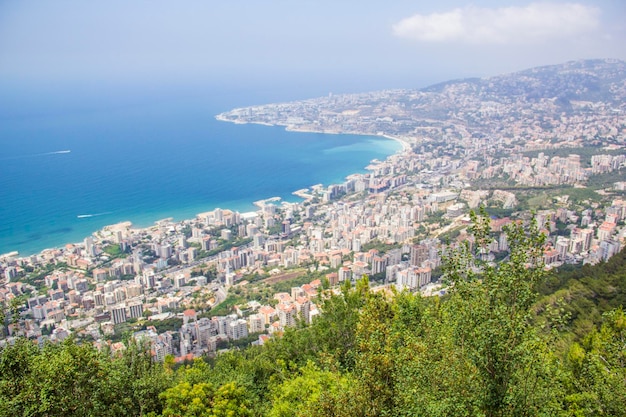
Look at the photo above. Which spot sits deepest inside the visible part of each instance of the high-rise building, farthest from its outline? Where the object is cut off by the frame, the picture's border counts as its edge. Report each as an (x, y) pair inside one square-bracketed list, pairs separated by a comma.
[(118, 314), (237, 329), (135, 309), (90, 248), (256, 323), (419, 254), (165, 251)]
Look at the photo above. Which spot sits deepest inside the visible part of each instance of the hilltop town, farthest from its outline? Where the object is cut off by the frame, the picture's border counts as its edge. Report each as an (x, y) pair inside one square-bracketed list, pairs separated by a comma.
[(544, 144)]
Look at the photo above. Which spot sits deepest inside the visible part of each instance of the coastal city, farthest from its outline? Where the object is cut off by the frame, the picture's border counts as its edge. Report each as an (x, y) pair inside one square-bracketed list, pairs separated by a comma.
[(545, 145)]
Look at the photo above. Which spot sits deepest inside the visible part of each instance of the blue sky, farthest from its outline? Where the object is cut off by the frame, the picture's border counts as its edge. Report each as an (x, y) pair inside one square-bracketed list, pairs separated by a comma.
[(349, 45)]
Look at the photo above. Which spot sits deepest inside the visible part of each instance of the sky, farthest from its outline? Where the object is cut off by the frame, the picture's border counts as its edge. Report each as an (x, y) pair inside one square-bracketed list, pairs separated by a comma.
[(342, 46)]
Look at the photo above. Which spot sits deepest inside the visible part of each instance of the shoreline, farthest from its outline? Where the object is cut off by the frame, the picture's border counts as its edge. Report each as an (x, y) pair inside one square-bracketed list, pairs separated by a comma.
[(143, 224), (406, 145)]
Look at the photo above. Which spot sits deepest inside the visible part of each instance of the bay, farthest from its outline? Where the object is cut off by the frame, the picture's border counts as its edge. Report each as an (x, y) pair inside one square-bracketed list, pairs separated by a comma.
[(67, 170)]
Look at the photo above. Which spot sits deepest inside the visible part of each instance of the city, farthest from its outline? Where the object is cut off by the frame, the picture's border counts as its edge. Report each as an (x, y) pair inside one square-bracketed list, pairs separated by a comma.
[(506, 143)]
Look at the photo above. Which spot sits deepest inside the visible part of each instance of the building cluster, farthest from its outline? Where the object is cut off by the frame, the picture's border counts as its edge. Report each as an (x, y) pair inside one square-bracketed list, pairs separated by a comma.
[(382, 234), (392, 223), (350, 229), (199, 336), (593, 236), (543, 170)]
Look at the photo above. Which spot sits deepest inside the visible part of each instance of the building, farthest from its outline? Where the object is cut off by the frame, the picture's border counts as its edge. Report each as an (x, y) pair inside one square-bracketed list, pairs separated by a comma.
[(237, 329), (286, 315), (256, 323), (118, 314), (135, 309)]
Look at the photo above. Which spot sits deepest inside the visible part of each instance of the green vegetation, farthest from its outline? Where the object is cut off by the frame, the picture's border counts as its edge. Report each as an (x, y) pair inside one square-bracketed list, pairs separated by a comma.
[(226, 307), (77, 380), (114, 251), (508, 340), (451, 234), (226, 245), (582, 296), (171, 324), (285, 286), (606, 180), (379, 246), (37, 276), (499, 212), (540, 201)]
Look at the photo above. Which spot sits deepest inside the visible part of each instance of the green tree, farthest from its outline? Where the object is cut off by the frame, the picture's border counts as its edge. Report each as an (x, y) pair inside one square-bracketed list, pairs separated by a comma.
[(231, 401), (16, 367), (187, 400), (375, 359), (299, 395), (434, 376), (334, 332), (63, 379), (202, 400), (597, 386), (136, 380), (489, 310)]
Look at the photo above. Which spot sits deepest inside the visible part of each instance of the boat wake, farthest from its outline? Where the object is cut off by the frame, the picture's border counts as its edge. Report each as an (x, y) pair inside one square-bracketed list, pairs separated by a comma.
[(37, 155), (56, 152), (86, 216)]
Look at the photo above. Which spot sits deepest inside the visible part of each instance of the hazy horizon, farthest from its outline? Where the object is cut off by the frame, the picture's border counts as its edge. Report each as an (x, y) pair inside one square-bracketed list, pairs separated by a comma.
[(308, 47)]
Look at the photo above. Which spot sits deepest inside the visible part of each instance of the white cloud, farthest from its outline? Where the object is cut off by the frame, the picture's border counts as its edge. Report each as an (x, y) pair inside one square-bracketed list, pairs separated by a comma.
[(533, 23)]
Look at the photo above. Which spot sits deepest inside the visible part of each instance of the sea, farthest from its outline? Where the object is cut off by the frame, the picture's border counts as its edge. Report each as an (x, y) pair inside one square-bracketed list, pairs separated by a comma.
[(74, 160)]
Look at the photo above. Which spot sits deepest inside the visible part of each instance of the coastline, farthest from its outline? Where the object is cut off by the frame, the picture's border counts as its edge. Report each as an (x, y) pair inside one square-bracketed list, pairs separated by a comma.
[(406, 145), (143, 224)]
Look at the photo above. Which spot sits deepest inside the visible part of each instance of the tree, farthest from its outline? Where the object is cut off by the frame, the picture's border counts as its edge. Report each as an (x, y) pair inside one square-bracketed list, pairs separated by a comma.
[(375, 359), (300, 394), (187, 400), (231, 401), (202, 400), (133, 381), (489, 312), (334, 332), (597, 384), (16, 367), (63, 379)]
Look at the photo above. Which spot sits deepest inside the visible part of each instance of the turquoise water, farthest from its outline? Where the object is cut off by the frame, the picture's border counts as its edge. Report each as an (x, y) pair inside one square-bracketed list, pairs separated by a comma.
[(146, 158)]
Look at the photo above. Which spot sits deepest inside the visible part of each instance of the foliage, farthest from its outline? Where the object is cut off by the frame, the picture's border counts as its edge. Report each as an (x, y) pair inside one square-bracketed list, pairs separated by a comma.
[(68, 379), (381, 247), (115, 251), (300, 394), (161, 326), (226, 306), (582, 296)]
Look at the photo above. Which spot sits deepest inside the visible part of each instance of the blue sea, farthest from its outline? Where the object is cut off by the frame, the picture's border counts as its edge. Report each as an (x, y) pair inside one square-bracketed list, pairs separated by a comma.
[(73, 161)]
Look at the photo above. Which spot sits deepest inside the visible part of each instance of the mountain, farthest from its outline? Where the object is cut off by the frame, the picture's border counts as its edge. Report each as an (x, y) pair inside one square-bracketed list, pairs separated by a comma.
[(597, 80)]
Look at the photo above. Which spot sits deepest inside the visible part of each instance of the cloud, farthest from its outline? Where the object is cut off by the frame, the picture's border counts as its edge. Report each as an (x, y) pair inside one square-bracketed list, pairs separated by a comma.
[(536, 22)]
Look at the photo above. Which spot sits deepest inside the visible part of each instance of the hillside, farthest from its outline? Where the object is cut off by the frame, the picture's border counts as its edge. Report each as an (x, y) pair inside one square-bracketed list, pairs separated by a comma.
[(476, 352), (496, 109), (585, 80)]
